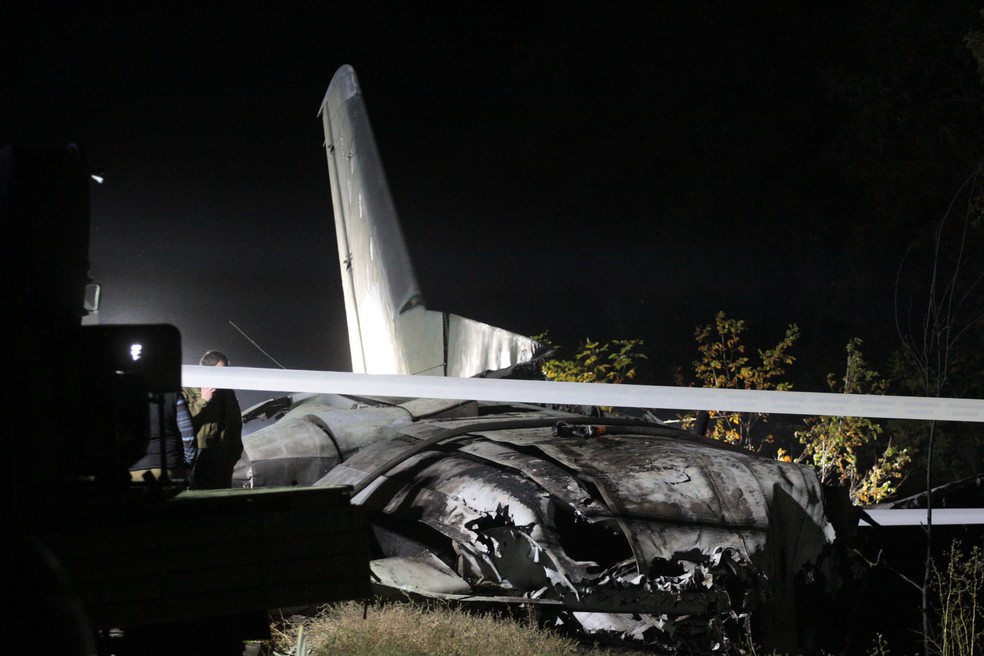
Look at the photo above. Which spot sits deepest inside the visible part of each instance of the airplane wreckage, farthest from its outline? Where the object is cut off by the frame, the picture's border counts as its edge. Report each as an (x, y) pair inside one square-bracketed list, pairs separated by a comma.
[(613, 527)]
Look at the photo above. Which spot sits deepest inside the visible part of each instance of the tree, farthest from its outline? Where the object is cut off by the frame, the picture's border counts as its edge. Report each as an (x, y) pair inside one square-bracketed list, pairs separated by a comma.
[(844, 450), (949, 308), (613, 362), (724, 363)]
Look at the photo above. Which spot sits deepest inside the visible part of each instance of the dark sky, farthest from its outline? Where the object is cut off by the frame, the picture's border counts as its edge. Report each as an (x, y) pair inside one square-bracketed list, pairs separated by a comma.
[(593, 171)]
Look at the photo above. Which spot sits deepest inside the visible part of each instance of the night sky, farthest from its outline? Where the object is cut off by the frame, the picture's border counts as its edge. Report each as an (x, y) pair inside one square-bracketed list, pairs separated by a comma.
[(590, 171)]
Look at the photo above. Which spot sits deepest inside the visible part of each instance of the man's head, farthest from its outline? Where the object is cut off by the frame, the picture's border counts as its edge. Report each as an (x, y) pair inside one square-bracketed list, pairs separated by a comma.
[(214, 359)]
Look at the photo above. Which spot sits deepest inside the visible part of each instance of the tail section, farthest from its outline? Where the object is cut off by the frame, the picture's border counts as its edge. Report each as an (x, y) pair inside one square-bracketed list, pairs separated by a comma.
[(390, 329)]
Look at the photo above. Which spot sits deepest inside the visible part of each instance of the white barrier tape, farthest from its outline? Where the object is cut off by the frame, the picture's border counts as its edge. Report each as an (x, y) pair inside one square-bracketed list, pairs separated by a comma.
[(621, 396), (917, 516)]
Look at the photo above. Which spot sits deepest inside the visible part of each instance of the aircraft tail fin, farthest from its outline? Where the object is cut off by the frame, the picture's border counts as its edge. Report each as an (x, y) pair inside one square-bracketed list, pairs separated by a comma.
[(390, 329)]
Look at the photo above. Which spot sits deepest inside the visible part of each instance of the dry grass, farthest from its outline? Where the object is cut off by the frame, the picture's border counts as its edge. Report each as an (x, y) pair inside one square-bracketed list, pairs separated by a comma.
[(407, 629)]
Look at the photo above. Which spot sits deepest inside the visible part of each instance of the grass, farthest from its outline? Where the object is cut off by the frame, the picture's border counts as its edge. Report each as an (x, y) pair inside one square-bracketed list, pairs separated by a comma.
[(408, 629)]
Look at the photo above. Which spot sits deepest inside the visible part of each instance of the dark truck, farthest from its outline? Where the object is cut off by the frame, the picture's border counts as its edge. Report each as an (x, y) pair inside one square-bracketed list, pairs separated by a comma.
[(97, 563)]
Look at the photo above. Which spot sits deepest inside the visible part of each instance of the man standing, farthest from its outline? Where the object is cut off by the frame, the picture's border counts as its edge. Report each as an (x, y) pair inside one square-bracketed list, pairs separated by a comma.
[(218, 426)]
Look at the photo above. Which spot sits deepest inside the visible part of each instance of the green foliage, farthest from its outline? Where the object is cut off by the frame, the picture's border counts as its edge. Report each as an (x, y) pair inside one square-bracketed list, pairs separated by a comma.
[(959, 591), (844, 450), (724, 363), (612, 362)]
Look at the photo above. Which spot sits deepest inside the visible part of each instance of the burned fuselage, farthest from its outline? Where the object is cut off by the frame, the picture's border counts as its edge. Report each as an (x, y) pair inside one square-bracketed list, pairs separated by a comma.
[(614, 526)]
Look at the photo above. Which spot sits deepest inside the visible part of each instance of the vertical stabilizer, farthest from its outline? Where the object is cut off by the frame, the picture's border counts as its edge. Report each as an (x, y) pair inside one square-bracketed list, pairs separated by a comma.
[(390, 329)]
